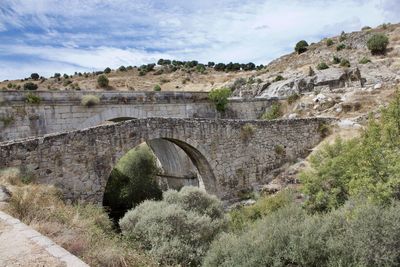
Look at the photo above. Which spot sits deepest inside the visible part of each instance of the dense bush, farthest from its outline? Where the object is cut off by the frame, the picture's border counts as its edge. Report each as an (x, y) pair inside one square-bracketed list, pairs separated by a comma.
[(364, 235), (122, 68), (157, 88), (301, 47), (322, 66), (30, 86), (336, 60), (90, 100), (340, 47), (102, 81), (279, 78), (178, 229), (132, 181), (345, 63), (220, 98), (378, 43), (32, 99), (368, 166), (107, 70), (35, 76), (329, 42), (274, 112)]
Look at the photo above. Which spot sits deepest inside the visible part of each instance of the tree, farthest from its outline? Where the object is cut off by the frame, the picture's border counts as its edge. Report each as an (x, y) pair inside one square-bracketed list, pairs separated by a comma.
[(122, 68), (220, 67), (102, 81), (378, 43), (210, 64), (220, 98), (301, 47), (35, 76), (107, 70), (30, 86)]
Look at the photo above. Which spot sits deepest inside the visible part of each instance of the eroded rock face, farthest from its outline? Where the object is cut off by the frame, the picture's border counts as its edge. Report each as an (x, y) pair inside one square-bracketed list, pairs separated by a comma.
[(331, 78)]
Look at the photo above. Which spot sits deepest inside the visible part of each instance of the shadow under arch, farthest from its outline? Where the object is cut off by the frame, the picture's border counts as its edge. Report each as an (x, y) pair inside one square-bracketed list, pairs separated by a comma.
[(200, 162)]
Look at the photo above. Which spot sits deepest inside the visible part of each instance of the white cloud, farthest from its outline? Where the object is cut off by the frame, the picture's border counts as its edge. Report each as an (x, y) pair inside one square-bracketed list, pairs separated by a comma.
[(98, 33)]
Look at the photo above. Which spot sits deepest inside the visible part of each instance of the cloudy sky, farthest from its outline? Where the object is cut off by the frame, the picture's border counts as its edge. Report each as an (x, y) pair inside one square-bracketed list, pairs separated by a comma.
[(48, 36)]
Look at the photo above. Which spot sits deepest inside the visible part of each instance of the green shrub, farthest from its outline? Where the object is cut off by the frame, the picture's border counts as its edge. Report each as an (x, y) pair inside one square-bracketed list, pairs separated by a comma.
[(90, 100), (157, 88), (340, 47), (274, 112), (364, 60), (9, 85), (32, 99), (279, 150), (107, 70), (132, 181), (329, 42), (322, 66), (366, 28), (243, 217), (378, 43), (122, 68), (102, 81), (30, 86), (368, 166), (356, 235), (336, 60), (301, 47), (279, 78), (345, 63), (177, 230), (220, 98)]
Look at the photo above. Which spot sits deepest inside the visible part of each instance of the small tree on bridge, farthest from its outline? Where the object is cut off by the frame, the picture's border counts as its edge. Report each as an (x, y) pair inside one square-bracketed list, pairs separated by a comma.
[(220, 98)]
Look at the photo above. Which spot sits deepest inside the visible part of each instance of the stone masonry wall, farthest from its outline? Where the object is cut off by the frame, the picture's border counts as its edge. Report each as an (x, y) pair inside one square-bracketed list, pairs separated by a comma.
[(230, 155), (62, 111)]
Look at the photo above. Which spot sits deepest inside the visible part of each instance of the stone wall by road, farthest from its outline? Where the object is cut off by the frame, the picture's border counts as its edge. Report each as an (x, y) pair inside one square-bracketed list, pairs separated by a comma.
[(62, 111), (230, 155)]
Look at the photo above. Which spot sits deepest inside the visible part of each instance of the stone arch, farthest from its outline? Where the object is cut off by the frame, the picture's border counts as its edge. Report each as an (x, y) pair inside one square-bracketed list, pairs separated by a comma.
[(195, 154), (113, 114)]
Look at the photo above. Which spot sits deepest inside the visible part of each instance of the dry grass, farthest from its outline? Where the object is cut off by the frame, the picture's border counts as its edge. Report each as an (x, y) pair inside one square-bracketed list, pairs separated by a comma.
[(84, 230)]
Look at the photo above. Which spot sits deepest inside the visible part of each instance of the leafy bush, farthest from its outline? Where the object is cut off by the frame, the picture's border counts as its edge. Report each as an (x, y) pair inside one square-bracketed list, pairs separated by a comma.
[(102, 81), (132, 181), (157, 88), (378, 43), (122, 68), (336, 60), (329, 42), (30, 86), (360, 235), (107, 70), (178, 229), (345, 63), (279, 78), (220, 98), (32, 99), (220, 67), (322, 66), (364, 60), (274, 112), (340, 47), (301, 47), (368, 166), (243, 217), (90, 100)]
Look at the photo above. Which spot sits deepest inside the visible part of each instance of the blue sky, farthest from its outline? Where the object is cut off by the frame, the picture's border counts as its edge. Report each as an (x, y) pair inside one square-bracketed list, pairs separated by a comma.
[(48, 36)]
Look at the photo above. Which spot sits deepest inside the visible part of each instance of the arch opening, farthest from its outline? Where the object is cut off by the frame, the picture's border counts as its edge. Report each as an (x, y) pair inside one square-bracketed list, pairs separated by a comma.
[(174, 164)]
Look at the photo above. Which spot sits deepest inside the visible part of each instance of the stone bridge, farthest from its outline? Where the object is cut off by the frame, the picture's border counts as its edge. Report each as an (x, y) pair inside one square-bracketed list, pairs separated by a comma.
[(60, 111), (231, 156)]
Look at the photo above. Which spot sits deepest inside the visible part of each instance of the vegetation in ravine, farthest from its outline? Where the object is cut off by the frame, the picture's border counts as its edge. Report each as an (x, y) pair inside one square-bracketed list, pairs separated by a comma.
[(132, 181), (220, 98)]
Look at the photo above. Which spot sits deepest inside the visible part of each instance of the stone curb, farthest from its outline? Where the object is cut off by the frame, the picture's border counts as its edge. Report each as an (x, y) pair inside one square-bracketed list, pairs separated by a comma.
[(43, 242)]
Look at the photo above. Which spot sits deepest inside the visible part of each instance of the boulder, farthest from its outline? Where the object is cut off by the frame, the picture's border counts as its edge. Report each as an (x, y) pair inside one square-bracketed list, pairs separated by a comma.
[(5, 194)]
